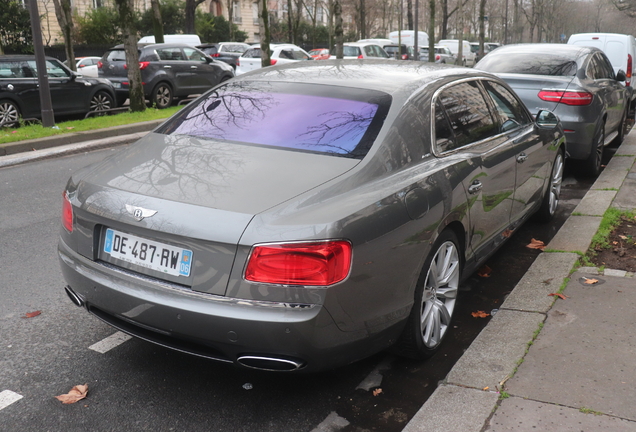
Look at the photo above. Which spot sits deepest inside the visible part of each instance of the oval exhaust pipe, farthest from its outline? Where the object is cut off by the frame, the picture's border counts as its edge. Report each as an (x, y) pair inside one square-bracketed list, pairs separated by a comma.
[(77, 300), (270, 363)]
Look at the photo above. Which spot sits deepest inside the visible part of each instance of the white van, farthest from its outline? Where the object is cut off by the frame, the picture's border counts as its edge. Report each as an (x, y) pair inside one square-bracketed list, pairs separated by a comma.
[(620, 49), (453, 45), (408, 38), (189, 39)]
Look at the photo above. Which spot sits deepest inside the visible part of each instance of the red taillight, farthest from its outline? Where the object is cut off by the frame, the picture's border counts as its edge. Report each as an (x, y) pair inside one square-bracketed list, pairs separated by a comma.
[(216, 55), (272, 62), (99, 64), (238, 62), (142, 65), (405, 56), (317, 263), (438, 57), (566, 97), (67, 212), (360, 56), (628, 73)]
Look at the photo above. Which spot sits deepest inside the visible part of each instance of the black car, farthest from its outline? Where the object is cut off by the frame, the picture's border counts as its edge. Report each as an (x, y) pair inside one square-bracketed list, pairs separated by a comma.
[(70, 93), (168, 71), (227, 52)]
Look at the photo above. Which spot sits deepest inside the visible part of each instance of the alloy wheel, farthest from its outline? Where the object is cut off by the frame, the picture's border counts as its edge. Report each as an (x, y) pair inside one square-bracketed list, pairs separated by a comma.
[(555, 183), (100, 102), (9, 114), (440, 294)]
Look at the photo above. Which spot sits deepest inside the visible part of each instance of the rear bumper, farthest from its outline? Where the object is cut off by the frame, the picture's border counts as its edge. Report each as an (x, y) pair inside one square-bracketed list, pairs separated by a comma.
[(215, 327)]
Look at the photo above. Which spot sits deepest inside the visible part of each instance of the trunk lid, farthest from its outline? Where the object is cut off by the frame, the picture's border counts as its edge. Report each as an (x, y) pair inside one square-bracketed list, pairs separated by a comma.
[(527, 88)]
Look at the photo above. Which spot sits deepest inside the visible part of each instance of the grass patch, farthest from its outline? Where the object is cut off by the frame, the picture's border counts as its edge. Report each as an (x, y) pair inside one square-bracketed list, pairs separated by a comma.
[(589, 411), (34, 131), (504, 395), (611, 219)]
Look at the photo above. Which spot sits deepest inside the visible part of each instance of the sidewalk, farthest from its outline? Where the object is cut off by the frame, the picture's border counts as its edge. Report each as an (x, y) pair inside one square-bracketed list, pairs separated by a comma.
[(553, 365)]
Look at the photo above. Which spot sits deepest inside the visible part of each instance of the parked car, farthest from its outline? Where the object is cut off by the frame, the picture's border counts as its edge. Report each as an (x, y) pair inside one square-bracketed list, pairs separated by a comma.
[(442, 54), (307, 215), (188, 39), (86, 66), (227, 52), (577, 83), (468, 56), (169, 71), (70, 92), (279, 54), (399, 52), (361, 50), (319, 54)]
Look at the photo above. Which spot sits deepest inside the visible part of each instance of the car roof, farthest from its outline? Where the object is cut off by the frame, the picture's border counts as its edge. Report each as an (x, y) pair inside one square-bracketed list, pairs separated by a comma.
[(359, 44), (546, 48), (156, 45), (23, 57), (383, 75)]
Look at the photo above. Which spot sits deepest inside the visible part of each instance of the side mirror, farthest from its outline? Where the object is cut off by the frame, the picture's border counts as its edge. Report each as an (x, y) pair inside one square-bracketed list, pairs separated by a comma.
[(74, 75), (620, 75), (547, 120)]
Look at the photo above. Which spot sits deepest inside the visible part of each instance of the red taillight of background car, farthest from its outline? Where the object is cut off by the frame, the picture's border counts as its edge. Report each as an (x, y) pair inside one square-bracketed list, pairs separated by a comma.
[(316, 263), (566, 97), (216, 55), (67, 212), (238, 62), (628, 73), (405, 56), (438, 57), (272, 62), (142, 65), (360, 56), (99, 64)]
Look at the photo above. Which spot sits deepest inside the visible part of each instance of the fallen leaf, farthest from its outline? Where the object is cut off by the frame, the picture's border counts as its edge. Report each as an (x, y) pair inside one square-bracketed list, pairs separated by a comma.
[(536, 244), (70, 127), (507, 233), (14, 131), (484, 271), (547, 281), (590, 281), (377, 391), (480, 314), (614, 242), (77, 393), (623, 237), (559, 295), (31, 314)]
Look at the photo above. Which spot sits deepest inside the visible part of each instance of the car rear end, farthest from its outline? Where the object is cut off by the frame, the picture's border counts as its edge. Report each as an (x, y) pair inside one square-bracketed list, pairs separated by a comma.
[(112, 66)]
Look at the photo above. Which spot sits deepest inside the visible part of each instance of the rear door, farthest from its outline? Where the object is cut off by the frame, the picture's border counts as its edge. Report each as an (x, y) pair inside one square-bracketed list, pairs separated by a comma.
[(177, 70), (205, 75), (68, 95), (602, 82), (17, 80)]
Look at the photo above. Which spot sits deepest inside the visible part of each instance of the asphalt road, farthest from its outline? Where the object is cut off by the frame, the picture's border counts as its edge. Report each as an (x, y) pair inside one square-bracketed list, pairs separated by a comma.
[(136, 386)]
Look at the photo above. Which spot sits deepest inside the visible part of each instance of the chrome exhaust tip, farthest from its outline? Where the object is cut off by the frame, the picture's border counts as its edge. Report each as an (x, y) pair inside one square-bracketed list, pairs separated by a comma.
[(270, 363), (76, 299)]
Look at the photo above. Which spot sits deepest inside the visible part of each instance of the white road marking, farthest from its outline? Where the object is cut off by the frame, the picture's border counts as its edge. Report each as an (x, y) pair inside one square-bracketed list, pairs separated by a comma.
[(332, 423), (110, 342), (7, 397)]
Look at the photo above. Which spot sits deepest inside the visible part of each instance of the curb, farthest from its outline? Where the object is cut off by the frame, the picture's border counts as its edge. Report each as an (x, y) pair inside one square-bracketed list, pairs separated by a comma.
[(467, 398), (74, 138)]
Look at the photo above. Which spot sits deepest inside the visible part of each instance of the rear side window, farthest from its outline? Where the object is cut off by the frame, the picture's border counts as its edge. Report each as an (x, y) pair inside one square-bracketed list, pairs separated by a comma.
[(301, 117), (349, 51), (252, 53), (508, 107), (170, 54), (11, 69), (468, 113)]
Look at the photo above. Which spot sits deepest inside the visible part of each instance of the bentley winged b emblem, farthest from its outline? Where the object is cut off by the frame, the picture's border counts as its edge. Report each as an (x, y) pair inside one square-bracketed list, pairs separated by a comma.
[(139, 213)]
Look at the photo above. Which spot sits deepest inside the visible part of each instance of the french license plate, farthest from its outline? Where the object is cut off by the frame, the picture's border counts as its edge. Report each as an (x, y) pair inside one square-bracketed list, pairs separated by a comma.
[(117, 85), (146, 253)]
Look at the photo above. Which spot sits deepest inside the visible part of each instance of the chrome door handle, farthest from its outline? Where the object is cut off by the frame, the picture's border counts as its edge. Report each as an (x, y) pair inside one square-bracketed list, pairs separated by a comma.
[(167, 67), (193, 67), (475, 187), (522, 158)]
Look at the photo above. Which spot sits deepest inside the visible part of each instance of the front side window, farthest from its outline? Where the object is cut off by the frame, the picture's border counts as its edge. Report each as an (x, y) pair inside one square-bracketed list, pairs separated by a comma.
[(170, 54), (301, 117), (194, 55), (468, 113), (509, 108)]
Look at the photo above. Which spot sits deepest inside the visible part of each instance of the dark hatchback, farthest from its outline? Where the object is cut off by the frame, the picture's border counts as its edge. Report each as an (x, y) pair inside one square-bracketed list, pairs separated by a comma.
[(227, 52), (70, 93), (168, 71)]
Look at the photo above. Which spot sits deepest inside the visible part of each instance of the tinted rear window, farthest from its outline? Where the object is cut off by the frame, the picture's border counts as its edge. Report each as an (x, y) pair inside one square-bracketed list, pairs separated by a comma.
[(116, 55), (529, 63), (303, 117)]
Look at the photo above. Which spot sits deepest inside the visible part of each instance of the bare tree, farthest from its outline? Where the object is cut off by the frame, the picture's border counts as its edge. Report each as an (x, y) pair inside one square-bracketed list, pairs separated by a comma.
[(190, 10), (157, 23), (337, 11), (128, 19), (482, 24), (64, 14), (264, 31)]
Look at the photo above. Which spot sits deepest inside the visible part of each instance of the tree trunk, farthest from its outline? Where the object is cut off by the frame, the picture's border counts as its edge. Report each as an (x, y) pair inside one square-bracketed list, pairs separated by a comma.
[(338, 32), (64, 15), (265, 37), (157, 23), (127, 18), (290, 21), (363, 20), (431, 32), (190, 11), (460, 38), (444, 34), (482, 27), (409, 14), (230, 14)]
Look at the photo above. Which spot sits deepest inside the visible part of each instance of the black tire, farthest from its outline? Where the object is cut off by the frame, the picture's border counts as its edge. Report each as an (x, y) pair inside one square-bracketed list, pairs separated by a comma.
[(9, 113), (550, 201), (162, 96), (101, 101), (432, 311), (622, 130), (591, 167)]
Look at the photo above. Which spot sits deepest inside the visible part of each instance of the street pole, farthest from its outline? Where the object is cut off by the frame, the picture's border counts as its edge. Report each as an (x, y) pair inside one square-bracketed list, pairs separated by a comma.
[(48, 119)]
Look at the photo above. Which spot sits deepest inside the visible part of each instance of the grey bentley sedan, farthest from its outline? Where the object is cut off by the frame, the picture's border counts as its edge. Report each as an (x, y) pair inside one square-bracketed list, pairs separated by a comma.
[(306, 216)]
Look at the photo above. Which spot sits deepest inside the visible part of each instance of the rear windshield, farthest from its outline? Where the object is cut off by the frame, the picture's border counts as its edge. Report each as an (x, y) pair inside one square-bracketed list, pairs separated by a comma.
[(301, 117), (348, 51), (116, 55), (529, 63)]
